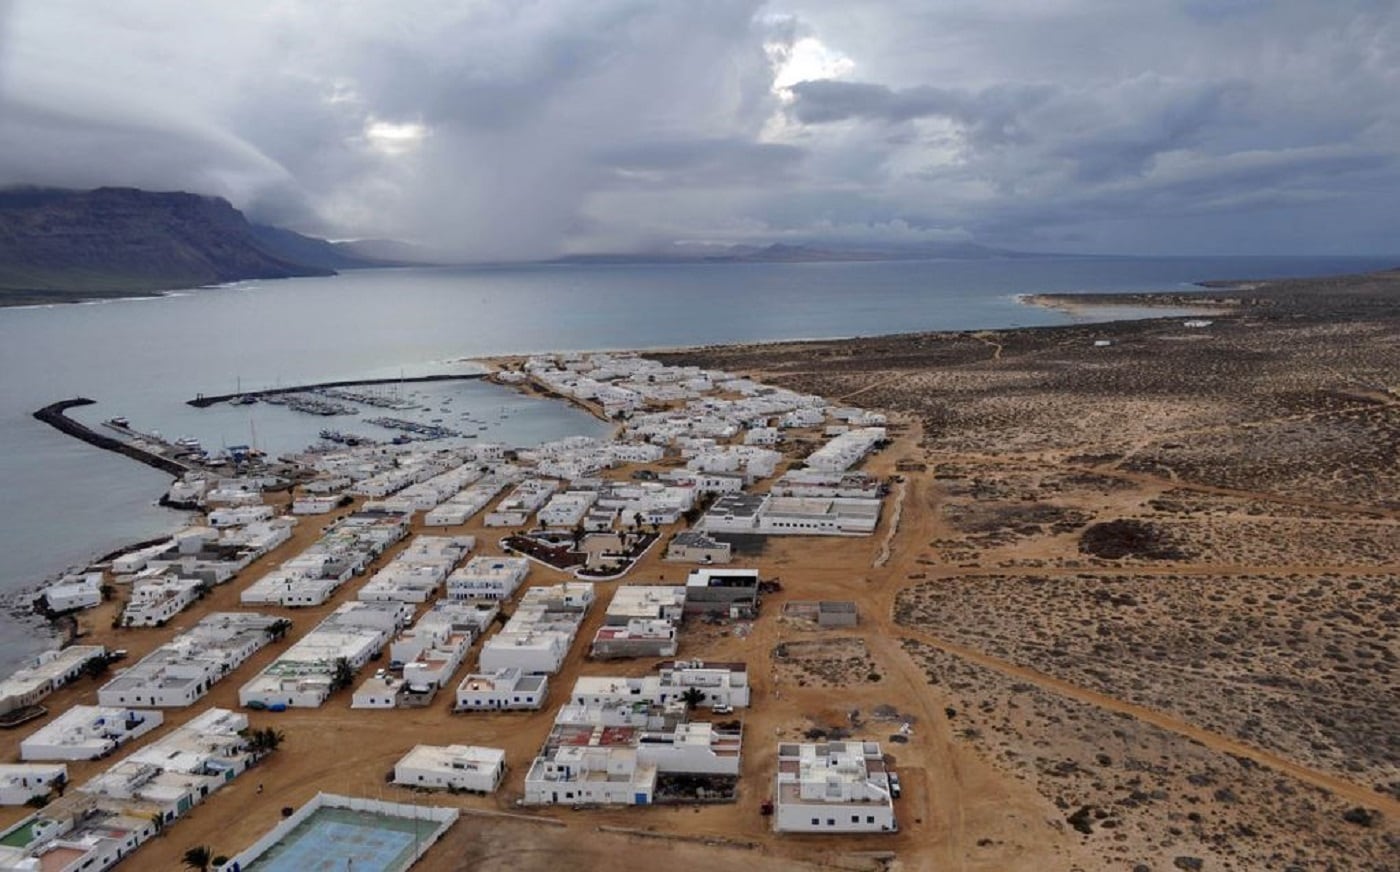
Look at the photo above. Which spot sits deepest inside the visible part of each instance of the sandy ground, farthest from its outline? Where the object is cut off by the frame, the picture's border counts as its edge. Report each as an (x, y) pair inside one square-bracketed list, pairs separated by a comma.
[(1209, 687)]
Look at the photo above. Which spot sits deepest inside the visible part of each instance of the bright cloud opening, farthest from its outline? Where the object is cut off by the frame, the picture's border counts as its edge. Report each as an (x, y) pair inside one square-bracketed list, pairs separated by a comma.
[(804, 60), (389, 138)]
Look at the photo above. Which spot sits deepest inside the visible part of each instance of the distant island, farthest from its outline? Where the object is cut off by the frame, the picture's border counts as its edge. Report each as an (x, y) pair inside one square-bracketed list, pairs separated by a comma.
[(784, 252), (60, 245)]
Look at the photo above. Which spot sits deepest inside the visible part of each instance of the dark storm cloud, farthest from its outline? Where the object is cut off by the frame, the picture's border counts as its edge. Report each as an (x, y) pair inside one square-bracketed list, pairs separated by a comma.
[(501, 129)]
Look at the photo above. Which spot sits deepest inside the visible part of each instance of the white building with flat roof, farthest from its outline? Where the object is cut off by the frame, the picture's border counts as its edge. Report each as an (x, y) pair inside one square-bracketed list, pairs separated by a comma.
[(21, 782), (443, 619), (460, 508), (820, 516), (637, 638), (74, 592), (419, 570), (645, 602), (846, 450), (693, 546), (182, 670), (566, 509), (507, 689), (832, 787), (345, 549), (303, 676), (595, 761), (517, 507), (158, 599), (538, 635), (822, 483), (492, 578), (451, 767), (43, 674), (87, 732), (104, 820), (722, 684), (589, 775)]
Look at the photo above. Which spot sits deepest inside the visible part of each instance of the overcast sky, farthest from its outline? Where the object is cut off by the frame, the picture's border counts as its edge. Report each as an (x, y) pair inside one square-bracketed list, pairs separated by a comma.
[(528, 129)]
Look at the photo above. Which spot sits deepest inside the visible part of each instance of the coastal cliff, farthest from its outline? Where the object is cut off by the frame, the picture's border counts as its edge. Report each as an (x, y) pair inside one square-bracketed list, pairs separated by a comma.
[(58, 245)]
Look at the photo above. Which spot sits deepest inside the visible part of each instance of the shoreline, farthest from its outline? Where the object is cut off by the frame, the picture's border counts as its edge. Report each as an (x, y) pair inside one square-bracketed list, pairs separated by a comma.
[(1085, 305), (1070, 303)]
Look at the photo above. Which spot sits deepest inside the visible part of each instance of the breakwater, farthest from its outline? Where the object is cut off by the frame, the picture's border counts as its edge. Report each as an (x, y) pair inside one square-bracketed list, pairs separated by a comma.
[(53, 415), (205, 400)]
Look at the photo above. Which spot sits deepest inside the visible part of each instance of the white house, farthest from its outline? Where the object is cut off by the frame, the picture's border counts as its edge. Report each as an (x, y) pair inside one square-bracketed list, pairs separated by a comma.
[(45, 673), (722, 684), (182, 670), (832, 787), (451, 767), (608, 775), (508, 689), (304, 675), (693, 546), (156, 600), (87, 732), (74, 592), (21, 782), (493, 578)]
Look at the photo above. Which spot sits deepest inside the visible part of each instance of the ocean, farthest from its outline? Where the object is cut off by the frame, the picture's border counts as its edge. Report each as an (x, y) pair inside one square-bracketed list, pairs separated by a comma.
[(65, 502)]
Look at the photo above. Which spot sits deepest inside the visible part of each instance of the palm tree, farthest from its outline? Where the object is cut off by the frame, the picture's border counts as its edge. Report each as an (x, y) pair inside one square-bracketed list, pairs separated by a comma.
[(343, 676), (265, 741), (692, 697), (199, 857), (271, 739)]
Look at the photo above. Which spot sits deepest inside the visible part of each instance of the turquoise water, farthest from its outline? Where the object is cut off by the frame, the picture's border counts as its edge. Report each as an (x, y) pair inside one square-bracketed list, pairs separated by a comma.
[(65, 501)]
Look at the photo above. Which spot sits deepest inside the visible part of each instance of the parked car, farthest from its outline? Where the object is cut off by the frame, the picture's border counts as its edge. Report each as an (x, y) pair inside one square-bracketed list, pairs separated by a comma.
[(723, 709), (894, 785)]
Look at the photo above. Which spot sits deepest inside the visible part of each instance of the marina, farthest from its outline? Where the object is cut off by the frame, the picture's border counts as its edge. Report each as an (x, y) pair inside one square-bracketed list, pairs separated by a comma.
[(242, 397)]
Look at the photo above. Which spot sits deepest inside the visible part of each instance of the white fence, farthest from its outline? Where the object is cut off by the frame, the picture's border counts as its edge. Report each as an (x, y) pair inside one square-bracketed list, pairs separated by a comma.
[(443, 817)]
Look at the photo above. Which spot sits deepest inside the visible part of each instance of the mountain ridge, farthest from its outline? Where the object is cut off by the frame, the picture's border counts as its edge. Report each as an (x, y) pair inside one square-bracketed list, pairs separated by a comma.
[(59, 244)]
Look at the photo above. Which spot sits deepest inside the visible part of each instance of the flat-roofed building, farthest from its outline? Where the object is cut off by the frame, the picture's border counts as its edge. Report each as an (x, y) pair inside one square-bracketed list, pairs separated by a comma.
[(492, 578), (632, 602), (820, 516), (182, 670), (585, 761), (304, 676), (722, 684), (822, 483), (419, 570), (87, 732), (111, 815), (590, 775), (21, 782), (694, 546), (157, 599), (731, 593), (451, 767), (506, 689), (832, 787), (734, 513), (636, 638), (43, 674)]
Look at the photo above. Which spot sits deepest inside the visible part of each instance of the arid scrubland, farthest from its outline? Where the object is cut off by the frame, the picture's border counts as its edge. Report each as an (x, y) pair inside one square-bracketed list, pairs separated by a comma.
[(1159, 569)]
